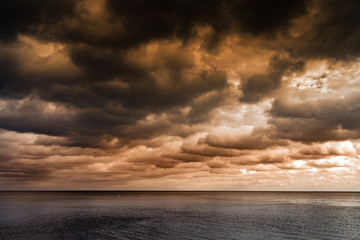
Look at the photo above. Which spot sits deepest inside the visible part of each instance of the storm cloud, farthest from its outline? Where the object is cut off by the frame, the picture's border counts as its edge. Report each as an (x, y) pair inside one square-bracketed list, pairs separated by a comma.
[(145, 94)]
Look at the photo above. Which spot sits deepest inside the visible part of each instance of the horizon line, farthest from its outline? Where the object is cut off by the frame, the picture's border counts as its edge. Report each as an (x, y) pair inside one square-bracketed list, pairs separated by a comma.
[(134, 191)]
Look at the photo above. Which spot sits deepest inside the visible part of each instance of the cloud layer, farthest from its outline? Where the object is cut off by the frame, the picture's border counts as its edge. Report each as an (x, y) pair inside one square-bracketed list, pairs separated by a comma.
[(238, 95)]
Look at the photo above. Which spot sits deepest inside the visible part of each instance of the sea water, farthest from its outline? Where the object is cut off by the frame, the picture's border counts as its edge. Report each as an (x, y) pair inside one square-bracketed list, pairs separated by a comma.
[(179, 215)]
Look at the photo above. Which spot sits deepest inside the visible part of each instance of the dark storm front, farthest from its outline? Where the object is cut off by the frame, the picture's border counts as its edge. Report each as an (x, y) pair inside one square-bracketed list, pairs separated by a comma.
[(179, 215)]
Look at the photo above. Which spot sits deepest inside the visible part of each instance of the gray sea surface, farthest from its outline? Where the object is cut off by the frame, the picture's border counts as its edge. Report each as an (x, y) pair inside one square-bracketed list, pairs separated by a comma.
[(179, 215)]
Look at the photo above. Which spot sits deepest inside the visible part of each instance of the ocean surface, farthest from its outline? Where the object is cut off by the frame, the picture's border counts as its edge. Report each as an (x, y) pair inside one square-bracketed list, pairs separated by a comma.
[(179, 215)]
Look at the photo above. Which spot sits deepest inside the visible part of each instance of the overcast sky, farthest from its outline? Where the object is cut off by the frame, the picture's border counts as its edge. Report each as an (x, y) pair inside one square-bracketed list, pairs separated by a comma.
[(180, 95)]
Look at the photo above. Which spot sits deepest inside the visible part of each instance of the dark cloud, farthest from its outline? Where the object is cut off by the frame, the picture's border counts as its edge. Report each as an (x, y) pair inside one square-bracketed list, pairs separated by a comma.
[(185, 157), (331, 30), (99, 37), (321, 120), (21, 16), (24, 175), (135, 22), (263, 16), (259, 86), (134, 90), (96, 107), (144, 20), (208, 151), (159, 19)]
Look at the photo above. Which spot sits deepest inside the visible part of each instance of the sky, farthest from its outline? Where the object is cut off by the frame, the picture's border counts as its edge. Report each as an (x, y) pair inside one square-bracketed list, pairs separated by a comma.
[(180, 95)]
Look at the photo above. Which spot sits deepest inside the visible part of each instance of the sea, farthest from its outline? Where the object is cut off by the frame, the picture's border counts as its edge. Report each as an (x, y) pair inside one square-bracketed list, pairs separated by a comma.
[(179, 215)]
